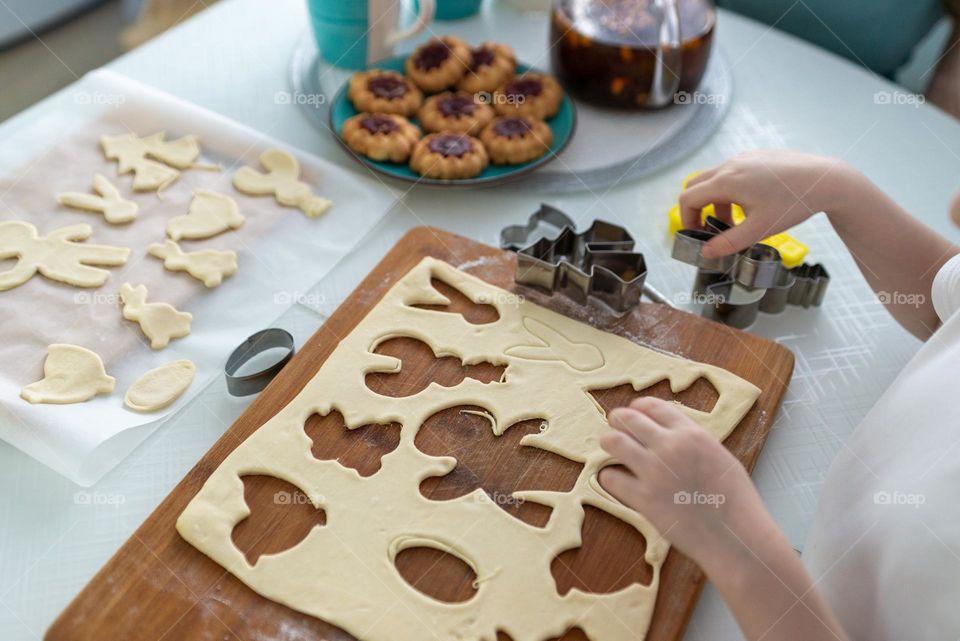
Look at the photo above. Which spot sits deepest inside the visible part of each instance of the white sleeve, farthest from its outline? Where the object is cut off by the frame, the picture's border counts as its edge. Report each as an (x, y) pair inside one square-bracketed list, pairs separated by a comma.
[(945, 293)]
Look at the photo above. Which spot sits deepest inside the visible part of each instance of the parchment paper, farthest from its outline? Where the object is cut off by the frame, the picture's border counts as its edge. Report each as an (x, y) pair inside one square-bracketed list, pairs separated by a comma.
[(281, 254)]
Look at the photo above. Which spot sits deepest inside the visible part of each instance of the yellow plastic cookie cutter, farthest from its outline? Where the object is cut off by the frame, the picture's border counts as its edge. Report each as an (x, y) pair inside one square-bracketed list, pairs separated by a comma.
[(792, 251)]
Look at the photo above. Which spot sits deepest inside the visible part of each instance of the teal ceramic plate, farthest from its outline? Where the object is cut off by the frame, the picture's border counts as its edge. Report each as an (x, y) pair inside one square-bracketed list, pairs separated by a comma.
[(562, 125)]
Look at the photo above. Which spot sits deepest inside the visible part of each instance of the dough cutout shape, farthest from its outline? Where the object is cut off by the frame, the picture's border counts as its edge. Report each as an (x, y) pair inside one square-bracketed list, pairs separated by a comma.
[(498, 465), (58, 255), (551, 345), (71, 374), (209, 214), (160, 322), (160, 386), (209, 266), (516, 592), (140, 157), (282, 180), (115, 208), (406, 358)]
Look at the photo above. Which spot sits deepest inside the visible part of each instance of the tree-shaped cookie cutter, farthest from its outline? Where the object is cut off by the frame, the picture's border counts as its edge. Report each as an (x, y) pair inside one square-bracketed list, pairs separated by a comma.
[(596, 264), (733, 289)]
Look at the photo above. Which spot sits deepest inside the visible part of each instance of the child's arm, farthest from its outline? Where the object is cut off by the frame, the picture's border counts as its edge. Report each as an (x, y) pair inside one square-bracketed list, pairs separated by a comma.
[(701, 499), (898, 255)]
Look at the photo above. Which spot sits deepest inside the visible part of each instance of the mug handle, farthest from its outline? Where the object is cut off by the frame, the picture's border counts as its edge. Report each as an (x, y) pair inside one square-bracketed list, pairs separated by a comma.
[(427, 9)]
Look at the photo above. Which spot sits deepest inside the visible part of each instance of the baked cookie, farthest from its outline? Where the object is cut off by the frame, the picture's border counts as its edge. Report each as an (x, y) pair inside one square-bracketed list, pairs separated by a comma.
[(438, 63), (385, 92), (531, 94), (381, 136), (491, 65), (512, 140), (455, 111), (449, 155)]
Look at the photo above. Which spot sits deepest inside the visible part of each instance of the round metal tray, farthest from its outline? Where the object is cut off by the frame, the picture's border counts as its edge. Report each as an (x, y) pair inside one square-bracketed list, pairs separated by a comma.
[(600, 156)]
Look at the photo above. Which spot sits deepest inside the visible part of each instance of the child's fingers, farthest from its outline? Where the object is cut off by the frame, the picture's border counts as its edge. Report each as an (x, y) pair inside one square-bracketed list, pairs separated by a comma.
[(702, 176), (750, 231), (635, 424), (625, 449), (694, 199), (661, 412), (617, 482)]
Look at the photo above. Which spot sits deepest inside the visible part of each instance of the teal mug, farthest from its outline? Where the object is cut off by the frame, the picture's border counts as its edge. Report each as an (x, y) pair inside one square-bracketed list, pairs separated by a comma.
[(355, 33), (457, 9)]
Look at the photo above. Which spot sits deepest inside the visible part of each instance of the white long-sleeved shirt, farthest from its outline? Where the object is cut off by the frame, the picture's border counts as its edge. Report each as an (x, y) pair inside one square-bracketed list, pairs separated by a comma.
[(885, 544)]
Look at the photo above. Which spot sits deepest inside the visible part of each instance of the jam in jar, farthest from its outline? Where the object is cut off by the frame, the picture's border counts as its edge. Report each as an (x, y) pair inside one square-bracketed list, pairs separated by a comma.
[(612, 52)]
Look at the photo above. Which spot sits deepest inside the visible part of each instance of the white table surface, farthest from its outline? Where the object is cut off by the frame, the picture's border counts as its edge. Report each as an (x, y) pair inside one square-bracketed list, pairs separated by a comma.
[(233, 59)]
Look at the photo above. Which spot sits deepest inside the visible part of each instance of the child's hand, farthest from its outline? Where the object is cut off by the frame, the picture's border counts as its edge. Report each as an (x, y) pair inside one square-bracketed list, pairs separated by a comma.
[(682, 479), (776, 189)]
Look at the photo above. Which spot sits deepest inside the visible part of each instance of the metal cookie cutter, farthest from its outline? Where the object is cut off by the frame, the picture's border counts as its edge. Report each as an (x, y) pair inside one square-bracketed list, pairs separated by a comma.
[(733, 289), (267, 339), (597, 264)]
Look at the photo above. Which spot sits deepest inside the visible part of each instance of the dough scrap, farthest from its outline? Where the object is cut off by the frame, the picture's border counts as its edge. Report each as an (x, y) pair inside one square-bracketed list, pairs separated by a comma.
[(57, 255), (283, 181), (71, 374), (160, 386), (160, 322), (209, 214), (343, 572), (209, 266), (115, 209), (140, 155)]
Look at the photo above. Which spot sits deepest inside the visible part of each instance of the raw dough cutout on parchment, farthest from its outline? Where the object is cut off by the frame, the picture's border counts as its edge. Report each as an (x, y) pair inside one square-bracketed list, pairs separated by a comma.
[(58, 255), (282, 181), (71, 374), (115, 209), (160, 322), (209, 266), (140, 156), (160, 386), (344, 573), (209, 214)]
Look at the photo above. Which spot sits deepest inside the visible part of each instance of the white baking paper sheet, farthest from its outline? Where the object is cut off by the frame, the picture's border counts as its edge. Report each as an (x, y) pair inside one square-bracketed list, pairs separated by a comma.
[(281, 255)]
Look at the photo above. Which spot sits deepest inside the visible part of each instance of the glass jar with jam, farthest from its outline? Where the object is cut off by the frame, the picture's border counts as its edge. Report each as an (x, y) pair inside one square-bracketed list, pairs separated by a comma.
[(631, 53)]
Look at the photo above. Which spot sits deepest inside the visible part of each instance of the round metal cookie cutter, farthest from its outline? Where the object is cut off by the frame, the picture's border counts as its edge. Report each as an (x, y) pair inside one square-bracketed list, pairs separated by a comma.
[(255, 344)]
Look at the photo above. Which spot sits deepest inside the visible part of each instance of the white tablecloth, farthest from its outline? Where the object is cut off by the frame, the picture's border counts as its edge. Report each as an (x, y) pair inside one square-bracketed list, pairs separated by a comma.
[(233, 59)]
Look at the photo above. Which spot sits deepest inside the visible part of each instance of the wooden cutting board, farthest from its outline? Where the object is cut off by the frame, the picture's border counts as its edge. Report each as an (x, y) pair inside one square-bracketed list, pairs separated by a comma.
[(159, 587)]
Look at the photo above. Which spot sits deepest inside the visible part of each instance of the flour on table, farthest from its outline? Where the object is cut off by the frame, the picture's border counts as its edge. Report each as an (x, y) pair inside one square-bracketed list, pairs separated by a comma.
[(343, 572), (115, 208), (282, 181), (71, 374), (209, 266), (58, 255), (160, 322)]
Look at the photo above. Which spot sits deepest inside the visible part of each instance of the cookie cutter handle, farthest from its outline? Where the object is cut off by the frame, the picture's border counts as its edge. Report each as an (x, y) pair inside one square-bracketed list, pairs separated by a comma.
[(425, 14)]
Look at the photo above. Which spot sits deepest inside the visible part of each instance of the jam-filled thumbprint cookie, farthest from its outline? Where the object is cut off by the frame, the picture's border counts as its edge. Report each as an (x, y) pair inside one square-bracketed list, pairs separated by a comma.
[(513, 140), (382, 137), (455, 111), (491, 65), (449, 155), (531, 94), (438, 64), (385, 92)]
